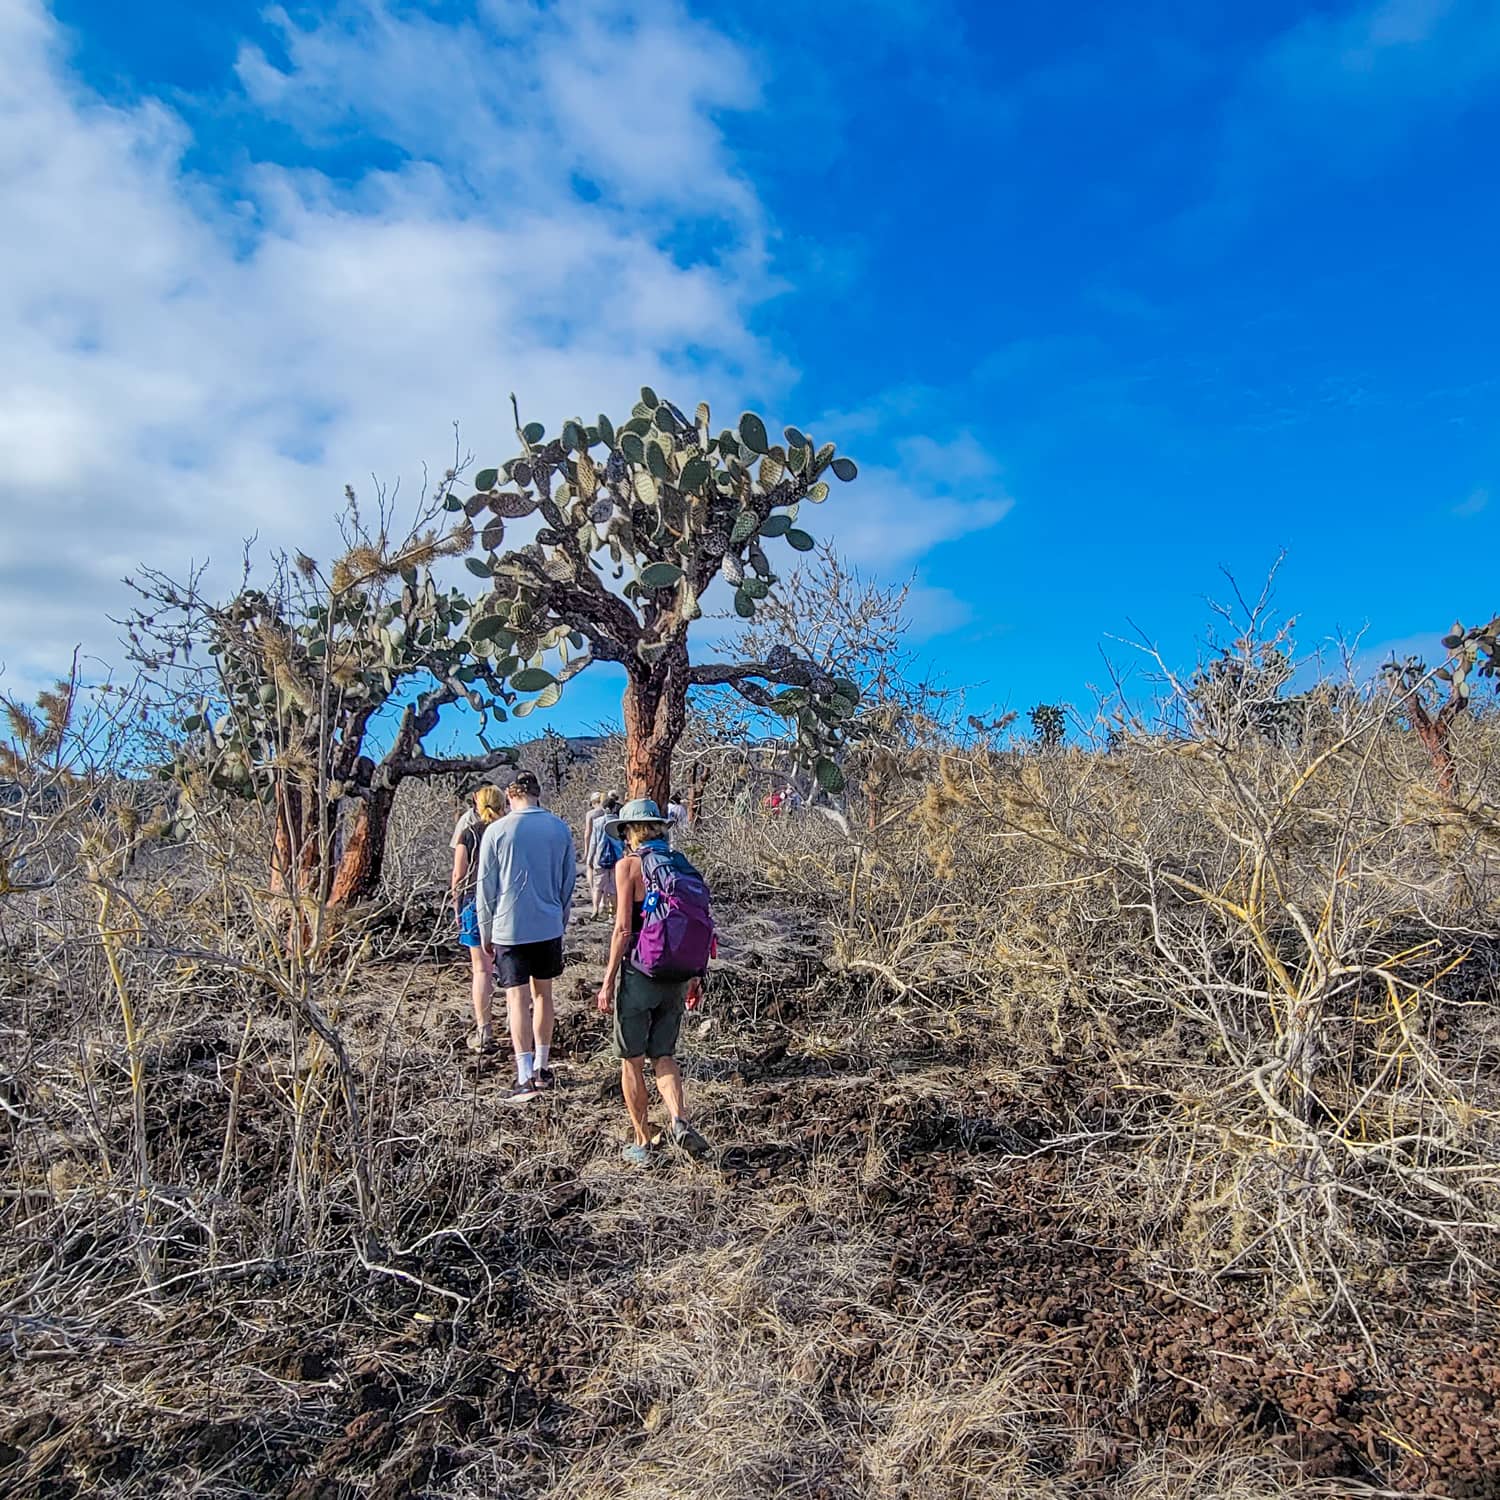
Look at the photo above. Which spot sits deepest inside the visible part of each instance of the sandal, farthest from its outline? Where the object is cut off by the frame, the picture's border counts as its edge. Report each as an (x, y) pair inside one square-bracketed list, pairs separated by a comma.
[(636, 1154)]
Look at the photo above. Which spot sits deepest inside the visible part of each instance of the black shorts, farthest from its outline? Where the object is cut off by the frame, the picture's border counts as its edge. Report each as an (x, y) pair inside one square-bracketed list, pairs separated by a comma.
[(523, 962)]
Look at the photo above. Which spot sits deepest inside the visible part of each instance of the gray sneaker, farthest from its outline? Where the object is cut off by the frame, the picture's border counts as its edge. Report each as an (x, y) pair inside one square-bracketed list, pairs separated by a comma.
[(481, 1041), (687, 1135), (520, 1093)]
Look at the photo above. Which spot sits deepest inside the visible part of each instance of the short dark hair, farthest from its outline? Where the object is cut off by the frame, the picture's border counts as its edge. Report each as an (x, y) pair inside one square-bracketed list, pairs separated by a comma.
[(526, 785)]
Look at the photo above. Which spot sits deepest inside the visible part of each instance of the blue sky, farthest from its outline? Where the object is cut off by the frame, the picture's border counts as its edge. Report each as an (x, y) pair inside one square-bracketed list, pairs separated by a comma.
[(1101, 297)]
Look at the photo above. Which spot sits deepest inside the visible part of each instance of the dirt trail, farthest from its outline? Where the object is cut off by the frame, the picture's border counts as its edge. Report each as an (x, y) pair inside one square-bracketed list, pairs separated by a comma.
[(885, 1269)]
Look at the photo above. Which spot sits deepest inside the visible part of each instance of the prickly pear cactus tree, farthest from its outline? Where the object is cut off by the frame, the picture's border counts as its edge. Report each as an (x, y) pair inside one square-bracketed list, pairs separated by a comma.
[(637, 520), (1473, 654), (305, 678), (1049, 724)]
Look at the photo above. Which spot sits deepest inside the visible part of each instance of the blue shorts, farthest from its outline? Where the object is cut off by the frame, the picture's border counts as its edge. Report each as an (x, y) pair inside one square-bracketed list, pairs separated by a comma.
[(468, 925)]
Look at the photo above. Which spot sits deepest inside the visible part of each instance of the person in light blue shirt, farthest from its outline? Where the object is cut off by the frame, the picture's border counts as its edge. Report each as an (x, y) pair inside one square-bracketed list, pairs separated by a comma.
[(523, 900)]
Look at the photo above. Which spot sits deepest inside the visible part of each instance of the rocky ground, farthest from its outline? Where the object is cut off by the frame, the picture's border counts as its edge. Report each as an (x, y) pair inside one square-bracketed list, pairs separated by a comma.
[(883, 1283)]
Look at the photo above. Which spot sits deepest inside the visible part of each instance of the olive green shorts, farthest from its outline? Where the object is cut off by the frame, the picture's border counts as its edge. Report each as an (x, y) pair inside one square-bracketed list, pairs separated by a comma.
[(648, 1014)]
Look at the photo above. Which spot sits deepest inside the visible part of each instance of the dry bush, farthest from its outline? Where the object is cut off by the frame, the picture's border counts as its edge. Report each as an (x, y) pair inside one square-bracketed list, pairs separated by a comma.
[(1241, 985), (1273, 958)]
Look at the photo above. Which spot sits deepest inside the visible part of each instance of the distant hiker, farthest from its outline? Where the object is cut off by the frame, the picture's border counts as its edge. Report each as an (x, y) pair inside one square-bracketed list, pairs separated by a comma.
[(592, 816), (658, 954), (527, 868), (487, 808), (677, 816), (601, 855)]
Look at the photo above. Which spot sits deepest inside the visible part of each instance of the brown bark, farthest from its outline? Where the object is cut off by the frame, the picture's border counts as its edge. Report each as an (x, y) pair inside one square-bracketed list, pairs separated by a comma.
[(363, 855), (1433, 731), (302, 834), (1435, 742), (698, 779), (655, 715), (298, 845)]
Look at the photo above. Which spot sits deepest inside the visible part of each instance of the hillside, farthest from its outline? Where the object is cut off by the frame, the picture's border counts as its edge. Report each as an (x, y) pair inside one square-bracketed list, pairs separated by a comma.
[(912, 1268)]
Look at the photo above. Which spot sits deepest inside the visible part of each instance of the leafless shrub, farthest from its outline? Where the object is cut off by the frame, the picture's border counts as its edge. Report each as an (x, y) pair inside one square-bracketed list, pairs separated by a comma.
[(1273, 942), (1247, 953)]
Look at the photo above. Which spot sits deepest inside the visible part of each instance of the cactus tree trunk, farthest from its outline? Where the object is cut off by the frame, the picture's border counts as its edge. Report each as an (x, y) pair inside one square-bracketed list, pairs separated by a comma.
[(1435, 731), (655, 715), (298, 842), (358, 870)]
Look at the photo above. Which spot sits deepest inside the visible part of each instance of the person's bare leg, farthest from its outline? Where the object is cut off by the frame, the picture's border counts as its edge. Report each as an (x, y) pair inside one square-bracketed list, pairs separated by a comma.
[(669, 1085), (681, 1130), (519, 1012), (541, 1013), (482, 988), (633, 1086)]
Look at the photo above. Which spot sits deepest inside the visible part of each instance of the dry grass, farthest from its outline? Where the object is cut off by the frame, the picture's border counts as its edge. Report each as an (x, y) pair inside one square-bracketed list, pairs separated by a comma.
[(1234, 996)]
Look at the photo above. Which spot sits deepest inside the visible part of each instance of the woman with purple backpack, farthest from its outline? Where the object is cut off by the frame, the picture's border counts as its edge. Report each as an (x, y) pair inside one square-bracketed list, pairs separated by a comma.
[(658, 954)]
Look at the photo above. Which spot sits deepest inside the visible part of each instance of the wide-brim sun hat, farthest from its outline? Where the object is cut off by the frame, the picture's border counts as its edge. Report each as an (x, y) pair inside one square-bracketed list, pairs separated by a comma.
[(637, 810)]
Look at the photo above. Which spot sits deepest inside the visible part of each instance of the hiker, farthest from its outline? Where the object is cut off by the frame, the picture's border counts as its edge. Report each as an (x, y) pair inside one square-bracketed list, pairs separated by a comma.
[(677, 817), (488, 805), (601, 855), (658, 954), (527, 868), (592, 816)]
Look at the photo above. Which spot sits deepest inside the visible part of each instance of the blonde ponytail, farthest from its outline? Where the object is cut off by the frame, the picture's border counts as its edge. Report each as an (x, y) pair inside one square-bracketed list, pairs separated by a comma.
[(487, 803)]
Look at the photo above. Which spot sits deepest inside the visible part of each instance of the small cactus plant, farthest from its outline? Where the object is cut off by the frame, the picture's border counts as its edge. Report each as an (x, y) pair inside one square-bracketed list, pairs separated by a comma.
[(302, 671)]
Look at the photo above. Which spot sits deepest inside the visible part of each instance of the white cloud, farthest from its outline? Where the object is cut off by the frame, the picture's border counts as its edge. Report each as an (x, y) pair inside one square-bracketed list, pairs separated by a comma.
[(1394, 51), (934, 612), (195, 359), (937, 489), (1341, 90), (181, 374)]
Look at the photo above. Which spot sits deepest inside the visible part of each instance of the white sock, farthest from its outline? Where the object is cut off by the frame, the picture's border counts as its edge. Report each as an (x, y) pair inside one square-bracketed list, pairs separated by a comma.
[(543, 1056), (525, 1066)]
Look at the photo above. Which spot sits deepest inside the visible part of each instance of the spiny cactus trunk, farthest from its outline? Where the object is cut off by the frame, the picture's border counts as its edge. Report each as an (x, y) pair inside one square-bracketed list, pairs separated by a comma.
[(363, 855), (295, 860), (356, 866), (655, 717), (1434, 731), (1434, 737)]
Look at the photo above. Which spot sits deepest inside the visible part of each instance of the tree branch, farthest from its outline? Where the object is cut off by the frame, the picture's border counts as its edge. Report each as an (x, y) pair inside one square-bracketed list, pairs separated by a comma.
[(422, 719), (783, 668), (753, 692), (426, 765), (350, 741)]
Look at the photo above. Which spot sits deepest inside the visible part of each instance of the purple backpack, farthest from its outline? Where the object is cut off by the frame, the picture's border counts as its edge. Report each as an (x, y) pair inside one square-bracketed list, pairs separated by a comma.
[(677, 930)]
